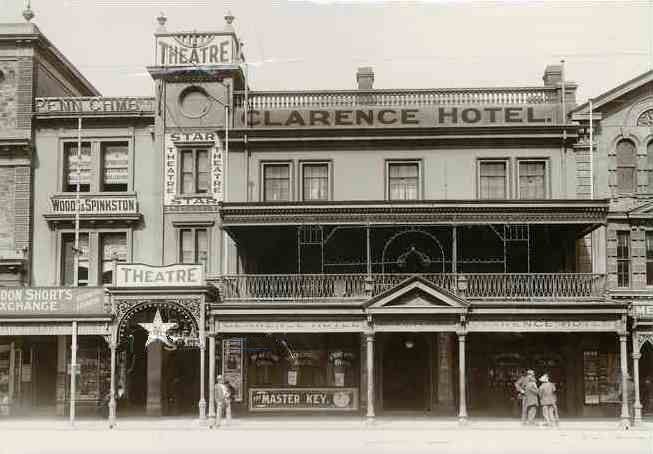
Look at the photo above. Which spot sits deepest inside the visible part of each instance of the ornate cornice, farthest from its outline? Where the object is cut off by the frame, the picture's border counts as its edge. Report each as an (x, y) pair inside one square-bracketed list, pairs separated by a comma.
[(443, 212)]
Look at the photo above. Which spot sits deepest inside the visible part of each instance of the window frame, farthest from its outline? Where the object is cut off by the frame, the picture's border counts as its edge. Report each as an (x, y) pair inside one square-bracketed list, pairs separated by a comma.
[(420, 178), (329, 176), (180, 174), (632, 191), (649, 259), (291, 182), (94, 254), (547, 173), (100, 252), (627, 260), (508, 178), (102, 167), (193, 227), (96, 165)]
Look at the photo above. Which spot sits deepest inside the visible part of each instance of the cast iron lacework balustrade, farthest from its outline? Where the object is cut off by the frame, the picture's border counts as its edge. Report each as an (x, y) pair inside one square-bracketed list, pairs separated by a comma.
[(396, 98), (495, 286)]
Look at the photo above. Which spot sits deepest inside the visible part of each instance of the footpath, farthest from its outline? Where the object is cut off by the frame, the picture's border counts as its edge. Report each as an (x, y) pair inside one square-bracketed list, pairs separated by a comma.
[(317, 423)]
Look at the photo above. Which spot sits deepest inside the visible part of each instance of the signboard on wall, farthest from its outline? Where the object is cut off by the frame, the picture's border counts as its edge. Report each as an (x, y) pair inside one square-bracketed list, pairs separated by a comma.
[(303, 399), (174, 143), (140, 275), (232, 365), (94, 205), (543, 325), (52, 301), (195, 49), (389, 117), (95, 105)]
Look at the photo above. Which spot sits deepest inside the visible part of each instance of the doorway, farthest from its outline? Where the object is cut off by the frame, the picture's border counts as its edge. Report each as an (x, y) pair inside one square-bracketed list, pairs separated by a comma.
[(405, 369), (167, 381), (45, 374)]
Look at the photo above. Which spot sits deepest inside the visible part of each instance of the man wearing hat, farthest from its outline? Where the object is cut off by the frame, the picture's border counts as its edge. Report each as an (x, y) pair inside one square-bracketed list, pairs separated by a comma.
[(548, 400), (521, 385), (222, 400)]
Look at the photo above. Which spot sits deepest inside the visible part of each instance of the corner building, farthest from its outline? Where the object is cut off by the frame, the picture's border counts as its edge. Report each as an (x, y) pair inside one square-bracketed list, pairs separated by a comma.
[(622, 146), (356, 251)]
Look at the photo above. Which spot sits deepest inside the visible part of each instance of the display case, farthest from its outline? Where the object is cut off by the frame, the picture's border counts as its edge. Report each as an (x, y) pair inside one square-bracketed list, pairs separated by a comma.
[(601, 377)]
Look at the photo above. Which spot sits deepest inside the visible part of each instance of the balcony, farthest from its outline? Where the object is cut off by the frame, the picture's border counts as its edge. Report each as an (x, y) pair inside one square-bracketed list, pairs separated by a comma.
[(306, 288)]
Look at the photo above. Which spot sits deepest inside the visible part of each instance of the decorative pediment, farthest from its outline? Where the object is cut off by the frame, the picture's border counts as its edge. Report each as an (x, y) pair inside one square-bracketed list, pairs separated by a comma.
[(417, 294)]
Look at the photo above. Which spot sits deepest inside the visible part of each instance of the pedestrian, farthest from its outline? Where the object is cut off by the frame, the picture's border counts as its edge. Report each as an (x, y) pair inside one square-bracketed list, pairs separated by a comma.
[(222, 400), (548, 400), (531, 398), (520, 386)]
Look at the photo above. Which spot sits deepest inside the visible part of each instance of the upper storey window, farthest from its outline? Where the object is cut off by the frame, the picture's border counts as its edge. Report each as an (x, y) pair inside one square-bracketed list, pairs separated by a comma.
[(194, 171), (532, 179), (276, 182), (403, 180), (315, 181), (77, 167), (626, 167), (493, 180), (115, 166), (103, 166)]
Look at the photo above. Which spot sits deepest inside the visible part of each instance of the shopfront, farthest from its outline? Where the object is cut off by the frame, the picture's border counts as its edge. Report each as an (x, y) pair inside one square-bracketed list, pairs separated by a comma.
[(39, 328), (583, 354)]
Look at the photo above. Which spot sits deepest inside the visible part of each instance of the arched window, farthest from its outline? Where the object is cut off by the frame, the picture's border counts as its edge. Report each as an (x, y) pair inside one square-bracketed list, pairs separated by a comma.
[(626, 167)]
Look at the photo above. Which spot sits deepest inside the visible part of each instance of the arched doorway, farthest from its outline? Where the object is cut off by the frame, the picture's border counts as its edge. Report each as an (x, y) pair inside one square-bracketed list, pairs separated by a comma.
[(158, 377), (405, 369)]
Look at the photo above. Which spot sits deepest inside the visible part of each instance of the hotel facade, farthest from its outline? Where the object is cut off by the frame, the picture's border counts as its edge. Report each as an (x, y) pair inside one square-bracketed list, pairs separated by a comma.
[(362, 251)]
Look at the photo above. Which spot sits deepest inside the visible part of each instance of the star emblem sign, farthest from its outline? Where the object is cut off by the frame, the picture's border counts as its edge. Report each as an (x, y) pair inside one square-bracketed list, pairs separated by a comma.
[(157, 330)]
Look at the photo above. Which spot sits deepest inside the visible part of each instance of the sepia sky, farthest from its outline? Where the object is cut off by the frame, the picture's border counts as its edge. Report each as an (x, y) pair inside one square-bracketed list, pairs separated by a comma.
[(319, 44)]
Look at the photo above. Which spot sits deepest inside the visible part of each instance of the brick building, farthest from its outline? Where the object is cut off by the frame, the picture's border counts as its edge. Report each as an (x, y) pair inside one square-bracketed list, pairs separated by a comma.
[(622, 120)]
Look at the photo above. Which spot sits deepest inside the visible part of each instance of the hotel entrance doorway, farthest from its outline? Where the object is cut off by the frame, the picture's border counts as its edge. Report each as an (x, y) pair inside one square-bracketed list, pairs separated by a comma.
[(405, 372)]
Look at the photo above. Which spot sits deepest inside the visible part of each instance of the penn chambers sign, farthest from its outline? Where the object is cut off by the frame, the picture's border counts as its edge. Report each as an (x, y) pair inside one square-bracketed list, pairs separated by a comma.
[(195, 49)]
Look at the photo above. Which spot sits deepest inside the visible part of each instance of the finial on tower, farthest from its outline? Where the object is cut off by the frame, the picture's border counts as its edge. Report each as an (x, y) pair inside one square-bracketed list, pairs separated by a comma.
[(161, 19), (229, 18), (28, 14)]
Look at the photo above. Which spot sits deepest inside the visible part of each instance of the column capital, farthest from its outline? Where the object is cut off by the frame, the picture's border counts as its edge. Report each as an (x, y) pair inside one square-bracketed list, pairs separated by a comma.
[(637, 355), (369, 336)]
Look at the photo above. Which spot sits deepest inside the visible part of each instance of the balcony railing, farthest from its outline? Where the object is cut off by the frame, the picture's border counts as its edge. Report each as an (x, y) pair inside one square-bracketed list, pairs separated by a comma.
[(270, 100), (343, 287)]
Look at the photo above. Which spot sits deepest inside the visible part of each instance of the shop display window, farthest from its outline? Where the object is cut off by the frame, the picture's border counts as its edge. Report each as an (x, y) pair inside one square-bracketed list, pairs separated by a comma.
[(289, 361)]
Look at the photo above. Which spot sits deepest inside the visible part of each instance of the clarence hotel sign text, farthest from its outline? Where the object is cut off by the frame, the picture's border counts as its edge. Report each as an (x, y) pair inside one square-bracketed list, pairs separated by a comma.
[(397, 117)]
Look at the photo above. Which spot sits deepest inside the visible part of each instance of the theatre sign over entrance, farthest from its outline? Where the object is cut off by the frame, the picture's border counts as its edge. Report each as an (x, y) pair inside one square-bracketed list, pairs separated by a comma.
[(160, 310)]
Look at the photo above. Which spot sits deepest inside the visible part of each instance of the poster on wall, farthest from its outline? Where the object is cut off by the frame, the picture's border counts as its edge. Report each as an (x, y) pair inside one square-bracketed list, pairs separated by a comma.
[(591, 377), (609, 378), (232, 365)]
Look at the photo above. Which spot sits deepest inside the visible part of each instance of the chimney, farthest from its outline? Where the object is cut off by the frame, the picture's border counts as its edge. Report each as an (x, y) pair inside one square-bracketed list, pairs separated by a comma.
[(552, 75), (365, 77)]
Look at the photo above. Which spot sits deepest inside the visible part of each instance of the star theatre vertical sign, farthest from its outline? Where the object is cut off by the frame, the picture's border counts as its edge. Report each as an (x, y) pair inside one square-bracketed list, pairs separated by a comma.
[(177, 142)]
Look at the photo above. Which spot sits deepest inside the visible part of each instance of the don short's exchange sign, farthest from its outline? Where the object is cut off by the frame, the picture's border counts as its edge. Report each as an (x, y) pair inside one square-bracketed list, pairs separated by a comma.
[(303, 399), (51, 301)]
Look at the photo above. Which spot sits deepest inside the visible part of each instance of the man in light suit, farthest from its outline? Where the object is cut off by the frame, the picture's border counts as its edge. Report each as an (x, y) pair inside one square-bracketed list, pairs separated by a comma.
[(222, 400)]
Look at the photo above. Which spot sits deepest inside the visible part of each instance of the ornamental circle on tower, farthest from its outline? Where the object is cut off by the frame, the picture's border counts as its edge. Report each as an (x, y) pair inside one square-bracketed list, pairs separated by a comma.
[(194, 102)]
